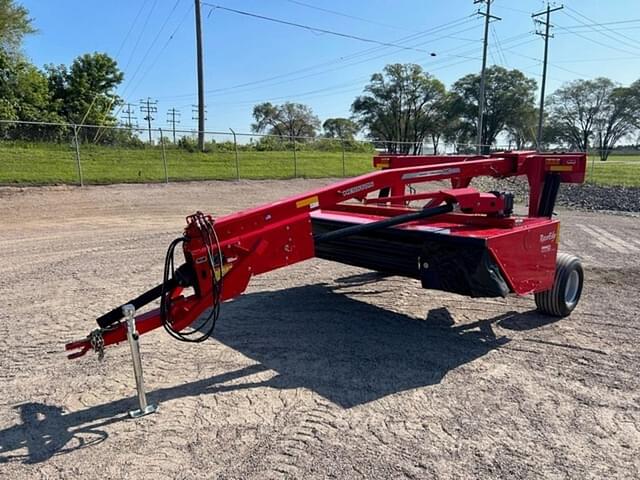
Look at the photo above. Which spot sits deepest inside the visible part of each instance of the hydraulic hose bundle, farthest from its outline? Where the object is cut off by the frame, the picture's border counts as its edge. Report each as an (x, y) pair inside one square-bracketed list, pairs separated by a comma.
[(209, 238)]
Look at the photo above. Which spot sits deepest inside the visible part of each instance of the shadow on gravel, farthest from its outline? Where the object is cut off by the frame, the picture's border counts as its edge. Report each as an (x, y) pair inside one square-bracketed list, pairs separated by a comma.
[(47, 431), (348, 351), (315, 337)]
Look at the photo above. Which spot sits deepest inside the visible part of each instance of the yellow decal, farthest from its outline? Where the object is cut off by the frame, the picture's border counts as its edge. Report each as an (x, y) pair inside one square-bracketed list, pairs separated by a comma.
[(383, 163), (225, 268), (558, 235), (312, 201), (561, 168), (552, 161)]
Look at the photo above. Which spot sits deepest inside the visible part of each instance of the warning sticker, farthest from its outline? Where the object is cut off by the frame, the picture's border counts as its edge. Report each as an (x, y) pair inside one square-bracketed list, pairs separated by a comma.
[(312, 202)]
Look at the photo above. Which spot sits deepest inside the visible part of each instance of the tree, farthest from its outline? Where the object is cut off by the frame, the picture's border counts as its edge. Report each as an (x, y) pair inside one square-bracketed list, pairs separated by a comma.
[(574, 110), (521, 130), (340, 128), (14, 25), (286, 120), (24, 95), (85, 92), (509, 96), (617, 118), (400, 107)]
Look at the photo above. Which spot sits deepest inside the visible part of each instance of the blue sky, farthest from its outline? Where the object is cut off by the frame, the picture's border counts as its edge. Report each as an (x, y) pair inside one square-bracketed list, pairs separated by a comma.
[(248, 60)]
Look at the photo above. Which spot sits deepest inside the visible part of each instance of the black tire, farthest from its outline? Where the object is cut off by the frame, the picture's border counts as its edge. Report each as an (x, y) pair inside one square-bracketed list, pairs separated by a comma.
[(565, 293)]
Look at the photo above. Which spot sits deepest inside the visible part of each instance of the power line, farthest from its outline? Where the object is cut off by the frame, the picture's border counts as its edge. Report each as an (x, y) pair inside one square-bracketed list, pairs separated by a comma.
[(499, 47), (219, 92), (592, 40), (153, 42), (615, 34), (162, 49), (314, 29), (345, 15), (435, 66), (601, 24), (252, 85), (144, 27), (155, 60), (133, 24)]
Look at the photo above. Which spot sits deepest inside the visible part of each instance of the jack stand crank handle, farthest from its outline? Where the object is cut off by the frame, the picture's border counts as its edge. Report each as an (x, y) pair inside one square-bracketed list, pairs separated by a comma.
[(128, 311)]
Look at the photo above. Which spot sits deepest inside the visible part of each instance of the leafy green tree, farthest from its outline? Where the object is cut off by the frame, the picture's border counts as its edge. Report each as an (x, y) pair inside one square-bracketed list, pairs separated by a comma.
[(340, 128), (84, 93), (286, 120), (618, 117), (400, 107), (14, 25), (24, 95), (521, 130), (574, 109), (509, 96)]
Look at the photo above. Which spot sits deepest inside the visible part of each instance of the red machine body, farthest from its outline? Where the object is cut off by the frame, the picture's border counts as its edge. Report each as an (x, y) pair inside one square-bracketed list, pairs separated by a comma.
[(460, 240)]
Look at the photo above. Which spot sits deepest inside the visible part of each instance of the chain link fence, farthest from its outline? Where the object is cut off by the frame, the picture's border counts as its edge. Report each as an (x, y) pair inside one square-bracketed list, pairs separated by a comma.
[(51, 153)]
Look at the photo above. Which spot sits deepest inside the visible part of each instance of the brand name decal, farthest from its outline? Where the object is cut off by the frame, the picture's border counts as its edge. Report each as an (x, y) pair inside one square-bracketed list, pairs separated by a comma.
[(356, 189), (549, 237), (431, 173)]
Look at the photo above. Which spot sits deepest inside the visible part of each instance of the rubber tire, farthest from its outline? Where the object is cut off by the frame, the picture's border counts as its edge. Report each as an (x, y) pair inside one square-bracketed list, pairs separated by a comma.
[(553, 302)]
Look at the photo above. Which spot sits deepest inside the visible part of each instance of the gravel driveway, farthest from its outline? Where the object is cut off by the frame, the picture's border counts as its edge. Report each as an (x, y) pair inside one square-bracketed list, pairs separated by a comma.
[(320, 370)]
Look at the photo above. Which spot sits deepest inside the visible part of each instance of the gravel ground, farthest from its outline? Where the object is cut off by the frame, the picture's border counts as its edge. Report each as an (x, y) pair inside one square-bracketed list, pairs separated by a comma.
[(320, 370), (586, 196)]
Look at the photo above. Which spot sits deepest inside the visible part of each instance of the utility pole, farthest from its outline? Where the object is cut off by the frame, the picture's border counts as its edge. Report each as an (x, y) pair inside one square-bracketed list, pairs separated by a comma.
[(171, 118), (128, 118), (149, 107), (487, 18), (201, 117), (546, 35), (195, 113)]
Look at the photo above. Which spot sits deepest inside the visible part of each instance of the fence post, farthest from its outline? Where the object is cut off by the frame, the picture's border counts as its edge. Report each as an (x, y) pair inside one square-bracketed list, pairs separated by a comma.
[(295, 159), (235, 147), (75, 140), (164, 157), (344, 174)]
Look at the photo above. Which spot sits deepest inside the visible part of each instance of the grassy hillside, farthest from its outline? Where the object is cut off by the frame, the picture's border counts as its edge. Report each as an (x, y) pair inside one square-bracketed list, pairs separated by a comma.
[(33, 163)]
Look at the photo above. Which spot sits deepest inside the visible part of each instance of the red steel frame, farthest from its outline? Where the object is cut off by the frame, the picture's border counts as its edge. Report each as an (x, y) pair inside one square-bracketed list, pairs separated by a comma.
[(278, 234)]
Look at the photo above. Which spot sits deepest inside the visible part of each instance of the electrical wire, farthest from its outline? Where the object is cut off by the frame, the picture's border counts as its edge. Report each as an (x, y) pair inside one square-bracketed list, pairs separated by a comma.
[(133, 24), (153, 42), (144, 27), (592, 40), (162, 49), (344, 15), (431, 31), (312, 29), (633, 44)]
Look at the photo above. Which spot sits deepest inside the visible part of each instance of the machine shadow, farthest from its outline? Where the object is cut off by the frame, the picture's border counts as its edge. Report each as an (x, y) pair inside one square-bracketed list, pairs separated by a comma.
[(314, 337), (348, 351), (46, 431)]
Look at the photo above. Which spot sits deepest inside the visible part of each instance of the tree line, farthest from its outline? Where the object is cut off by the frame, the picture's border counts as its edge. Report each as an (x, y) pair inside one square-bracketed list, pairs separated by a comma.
[(402, 108)]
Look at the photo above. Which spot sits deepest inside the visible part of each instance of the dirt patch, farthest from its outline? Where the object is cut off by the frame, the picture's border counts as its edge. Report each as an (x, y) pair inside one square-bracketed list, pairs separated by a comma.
[(319, 370)]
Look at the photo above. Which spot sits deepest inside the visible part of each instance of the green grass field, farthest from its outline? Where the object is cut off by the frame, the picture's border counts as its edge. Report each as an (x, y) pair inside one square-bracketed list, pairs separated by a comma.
[(39, 164), (51, 164)]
